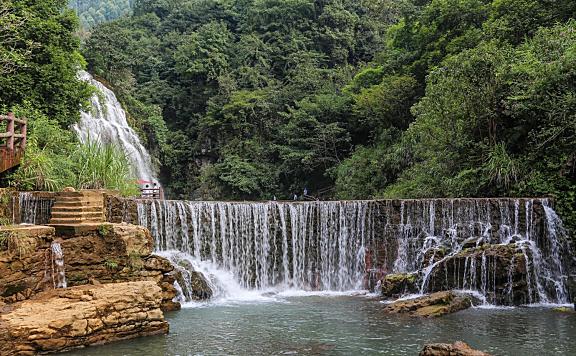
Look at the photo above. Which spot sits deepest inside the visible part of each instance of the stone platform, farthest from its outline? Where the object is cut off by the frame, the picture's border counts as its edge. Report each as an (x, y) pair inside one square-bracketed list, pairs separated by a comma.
[(64, 319)]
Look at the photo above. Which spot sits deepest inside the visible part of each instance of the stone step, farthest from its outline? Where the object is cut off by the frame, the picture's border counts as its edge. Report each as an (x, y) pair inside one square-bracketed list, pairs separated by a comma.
[(81, 193), (75, 221), (76, 214), (78, 208), (79, 205), (79, 199)]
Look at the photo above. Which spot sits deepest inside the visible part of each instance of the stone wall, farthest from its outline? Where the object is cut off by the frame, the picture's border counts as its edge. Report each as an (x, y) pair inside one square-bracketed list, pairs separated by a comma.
[(6, 216)]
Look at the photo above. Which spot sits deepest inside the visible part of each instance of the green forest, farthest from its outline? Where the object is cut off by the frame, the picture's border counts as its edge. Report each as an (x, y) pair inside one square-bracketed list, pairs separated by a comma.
[(94, 12), (351, 99)]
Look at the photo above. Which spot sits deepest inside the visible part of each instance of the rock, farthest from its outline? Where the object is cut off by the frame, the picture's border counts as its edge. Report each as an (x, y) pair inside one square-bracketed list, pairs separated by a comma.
[(64, 319), (564, 310), (108, 254), (158, 263), (194, 284), (137, 240), (432, 305), (394, 285), (458, 348), (170, 305), (572, 288), (505, 268), (200, 287)]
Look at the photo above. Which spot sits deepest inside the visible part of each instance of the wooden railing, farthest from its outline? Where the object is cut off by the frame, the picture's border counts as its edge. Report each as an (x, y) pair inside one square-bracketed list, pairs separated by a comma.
[(12, 141), (152, 193)]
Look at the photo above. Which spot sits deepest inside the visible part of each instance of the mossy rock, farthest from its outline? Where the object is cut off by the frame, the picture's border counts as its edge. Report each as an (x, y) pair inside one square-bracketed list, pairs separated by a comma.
[(394, 285)]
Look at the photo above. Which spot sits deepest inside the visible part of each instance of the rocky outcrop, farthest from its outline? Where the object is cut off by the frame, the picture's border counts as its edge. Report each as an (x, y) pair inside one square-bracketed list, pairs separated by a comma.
[(194, 284), (5, 206), (23, 264), (499, 270), (458, 348), (64, 319), (101, 253), (433, 305), (395, 285)]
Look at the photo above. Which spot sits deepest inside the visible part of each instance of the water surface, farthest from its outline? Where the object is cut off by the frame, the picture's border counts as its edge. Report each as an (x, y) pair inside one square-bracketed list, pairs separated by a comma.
[(346, 325)]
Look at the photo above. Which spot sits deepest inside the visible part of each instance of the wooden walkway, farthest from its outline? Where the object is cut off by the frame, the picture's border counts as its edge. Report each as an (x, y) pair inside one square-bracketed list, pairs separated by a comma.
[(12, 141)]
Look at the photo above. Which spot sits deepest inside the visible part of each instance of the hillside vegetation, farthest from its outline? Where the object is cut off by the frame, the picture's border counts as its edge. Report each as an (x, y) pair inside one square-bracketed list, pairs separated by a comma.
[(251, 99), (376, 99), (94, 12)]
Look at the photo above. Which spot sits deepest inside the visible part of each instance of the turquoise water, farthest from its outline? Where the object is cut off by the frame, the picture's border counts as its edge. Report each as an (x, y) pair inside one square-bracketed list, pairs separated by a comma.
[(346, 325)]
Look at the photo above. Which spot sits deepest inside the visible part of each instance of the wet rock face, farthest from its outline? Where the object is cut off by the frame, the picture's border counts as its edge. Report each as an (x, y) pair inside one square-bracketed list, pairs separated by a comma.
[(23, 264), (498, 271), (194, 284), (64, 319), (109, 254), (395, 285), (458, 348), (433, 305), (5, 206)]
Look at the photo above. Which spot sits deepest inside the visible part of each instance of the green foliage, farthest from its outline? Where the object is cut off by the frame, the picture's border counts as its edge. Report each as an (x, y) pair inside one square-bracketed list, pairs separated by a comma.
[(111, 265), (377, 98), (54, 159), (100, 166), (240, 85), (94, 12), (39, 59), (135, 262), (104, 230)]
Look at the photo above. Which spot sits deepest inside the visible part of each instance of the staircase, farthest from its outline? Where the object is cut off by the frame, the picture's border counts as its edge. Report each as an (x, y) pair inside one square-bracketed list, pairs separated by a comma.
[(78, 208)]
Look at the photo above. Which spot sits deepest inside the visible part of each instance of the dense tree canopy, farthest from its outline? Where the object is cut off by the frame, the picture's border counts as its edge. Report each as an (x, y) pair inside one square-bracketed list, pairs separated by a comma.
[(39, 63), (39, 59), (252, 90), (351, 99), (251, 99), (93, 12)]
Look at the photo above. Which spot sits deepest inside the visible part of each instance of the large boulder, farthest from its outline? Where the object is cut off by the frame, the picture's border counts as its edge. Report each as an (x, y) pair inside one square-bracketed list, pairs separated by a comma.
[(458, 348), (502, 268), (64, 319), (195, 286), (395, 285), (23, 260), (432, 305)]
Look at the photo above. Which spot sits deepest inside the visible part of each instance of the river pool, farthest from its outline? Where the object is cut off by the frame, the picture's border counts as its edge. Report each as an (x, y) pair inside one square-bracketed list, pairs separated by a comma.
[(293, 324)]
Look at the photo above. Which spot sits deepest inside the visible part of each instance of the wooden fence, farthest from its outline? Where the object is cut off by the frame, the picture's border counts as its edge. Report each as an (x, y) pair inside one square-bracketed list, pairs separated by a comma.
[(12, 141)]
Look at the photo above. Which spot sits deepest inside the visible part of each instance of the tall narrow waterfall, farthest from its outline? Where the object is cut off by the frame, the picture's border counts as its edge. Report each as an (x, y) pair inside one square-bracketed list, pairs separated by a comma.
[(107, 122), (58, 271), (512, 251)]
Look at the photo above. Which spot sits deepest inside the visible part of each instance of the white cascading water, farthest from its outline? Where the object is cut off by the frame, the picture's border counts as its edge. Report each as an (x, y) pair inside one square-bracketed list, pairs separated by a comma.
[(107, 123), (34, 209), (335, 245), (57, 264), (304, 246)]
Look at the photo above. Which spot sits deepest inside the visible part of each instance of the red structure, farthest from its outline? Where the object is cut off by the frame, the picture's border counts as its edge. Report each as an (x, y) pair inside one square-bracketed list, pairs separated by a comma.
[(12, 141)]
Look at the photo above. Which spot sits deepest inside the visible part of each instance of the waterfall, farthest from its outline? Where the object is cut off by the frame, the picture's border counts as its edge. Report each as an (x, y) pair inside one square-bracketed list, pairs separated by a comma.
[(34, 209), (319, 245), (508, 251), (57, 265), (107, 122)]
